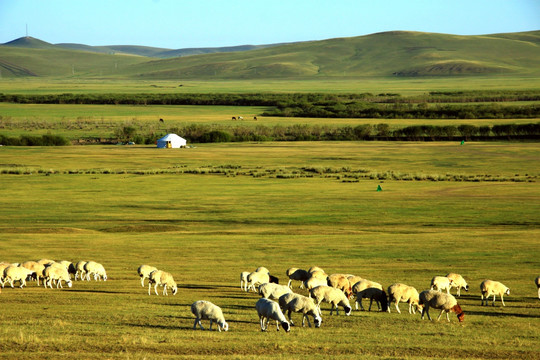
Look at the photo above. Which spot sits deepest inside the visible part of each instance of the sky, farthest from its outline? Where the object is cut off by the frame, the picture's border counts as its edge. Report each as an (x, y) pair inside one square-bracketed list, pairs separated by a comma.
[(176, 24)]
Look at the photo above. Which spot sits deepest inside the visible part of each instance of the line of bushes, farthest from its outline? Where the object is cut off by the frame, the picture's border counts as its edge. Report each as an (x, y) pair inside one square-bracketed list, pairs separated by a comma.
[(28, 140)]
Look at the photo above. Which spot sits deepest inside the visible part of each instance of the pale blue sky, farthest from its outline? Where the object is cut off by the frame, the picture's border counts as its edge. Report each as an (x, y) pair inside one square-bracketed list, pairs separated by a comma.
[(178, 24)]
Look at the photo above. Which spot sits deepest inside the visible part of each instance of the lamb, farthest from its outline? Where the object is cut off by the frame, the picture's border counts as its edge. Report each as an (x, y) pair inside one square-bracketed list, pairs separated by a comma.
[(164, 279), (297, 274), (333, 296), (341, 282), (16, 273), (56, 273), (244, 280), (362, 285), (299, 303), (205, 310), (490, 287), (458, 282), (442, 301), (273, 291), (269, 310), (537, 282), (80, 272), (96, 269), (144, 272), (373, 293), (36, 268), (401, 292), (440, 283)]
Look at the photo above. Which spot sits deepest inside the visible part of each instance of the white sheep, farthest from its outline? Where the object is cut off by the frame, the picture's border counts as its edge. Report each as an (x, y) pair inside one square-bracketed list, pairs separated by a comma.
[(273, 291), (313, 269), (244, 280), (144, 272), (439, 300), (313, 282), (490, 287), (36, 268), (56, 272), (163, 278), (298, 275), (537, 282), (441, 283), (205, 310), (69, 266), (79, 270), (362, 285), (458, 282), (262, 269), (333, 296), (257, 278), (302, 304), (269, 310), (404, 293), (373, 293), (96, 269), (46, 261), (16, 273)]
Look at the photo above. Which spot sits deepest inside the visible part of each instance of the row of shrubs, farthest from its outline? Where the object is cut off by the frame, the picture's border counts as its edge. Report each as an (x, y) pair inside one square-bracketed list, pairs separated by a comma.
[(28, 140), (197, 133)]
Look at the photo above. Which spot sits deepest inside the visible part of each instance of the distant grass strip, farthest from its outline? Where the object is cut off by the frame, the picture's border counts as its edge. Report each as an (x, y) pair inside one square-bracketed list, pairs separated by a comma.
[(344, 174), (28, 140)]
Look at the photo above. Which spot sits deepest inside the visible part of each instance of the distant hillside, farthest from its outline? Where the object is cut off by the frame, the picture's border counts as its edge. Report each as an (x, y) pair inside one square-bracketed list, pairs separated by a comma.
[(397, 53)]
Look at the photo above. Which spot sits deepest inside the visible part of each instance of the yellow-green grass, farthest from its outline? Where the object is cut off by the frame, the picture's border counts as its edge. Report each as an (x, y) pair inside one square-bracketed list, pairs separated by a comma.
[(355, 84), (205, 229)]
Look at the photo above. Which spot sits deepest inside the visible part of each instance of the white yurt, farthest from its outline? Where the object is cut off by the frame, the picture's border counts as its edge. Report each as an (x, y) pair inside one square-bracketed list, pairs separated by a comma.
[(171, 141)]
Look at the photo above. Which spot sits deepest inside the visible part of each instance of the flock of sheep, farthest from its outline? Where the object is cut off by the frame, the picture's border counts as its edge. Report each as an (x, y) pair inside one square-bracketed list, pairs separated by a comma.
[(276, 299), (50, 272), (335, 289)]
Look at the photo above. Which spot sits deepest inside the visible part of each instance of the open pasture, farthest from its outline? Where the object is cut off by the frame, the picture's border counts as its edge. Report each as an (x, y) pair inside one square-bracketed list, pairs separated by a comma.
[(125, 206)]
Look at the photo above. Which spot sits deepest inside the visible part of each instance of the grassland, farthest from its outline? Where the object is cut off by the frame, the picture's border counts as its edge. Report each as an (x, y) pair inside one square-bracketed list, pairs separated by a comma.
[(124, 206)]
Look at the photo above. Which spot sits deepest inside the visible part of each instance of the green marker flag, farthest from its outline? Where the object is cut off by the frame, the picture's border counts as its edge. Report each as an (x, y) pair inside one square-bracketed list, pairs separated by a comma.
[(462, 142), (379, 188)]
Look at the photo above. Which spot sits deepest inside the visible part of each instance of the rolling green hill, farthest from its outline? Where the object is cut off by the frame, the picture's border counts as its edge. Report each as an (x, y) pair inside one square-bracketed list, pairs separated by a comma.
[(398, 53)]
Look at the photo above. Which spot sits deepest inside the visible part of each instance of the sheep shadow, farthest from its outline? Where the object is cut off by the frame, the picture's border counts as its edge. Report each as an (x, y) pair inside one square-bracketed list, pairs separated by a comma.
[(162, 327)]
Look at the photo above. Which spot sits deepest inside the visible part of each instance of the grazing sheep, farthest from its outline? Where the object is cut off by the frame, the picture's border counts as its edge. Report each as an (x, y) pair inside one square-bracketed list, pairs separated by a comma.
[(333, 296), (46, 261), (3, 265), (341, 282), (69, 266), (56, 273), (257, 278), (298, 275), (273, 279), (273, 291), (313, 282), (490, 287), (144, 272), (401, 292), (16, 273), (80, 272), (442, 301), (458, 282), (36, 268), (205, 310), (362, 285), (299, 303), (262, 269), (269, 310), (244, 280), (537, 282), (164, 279), (440, 283), (315, 268), (373, 294), (353, 279), (96, 269)]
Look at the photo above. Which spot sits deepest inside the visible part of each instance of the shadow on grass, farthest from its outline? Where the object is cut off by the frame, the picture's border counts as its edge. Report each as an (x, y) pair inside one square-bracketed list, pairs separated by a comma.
[(501, 314)]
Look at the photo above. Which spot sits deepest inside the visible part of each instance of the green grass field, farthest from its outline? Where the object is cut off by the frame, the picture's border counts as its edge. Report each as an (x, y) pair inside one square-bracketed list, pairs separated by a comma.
[(125, 206)]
